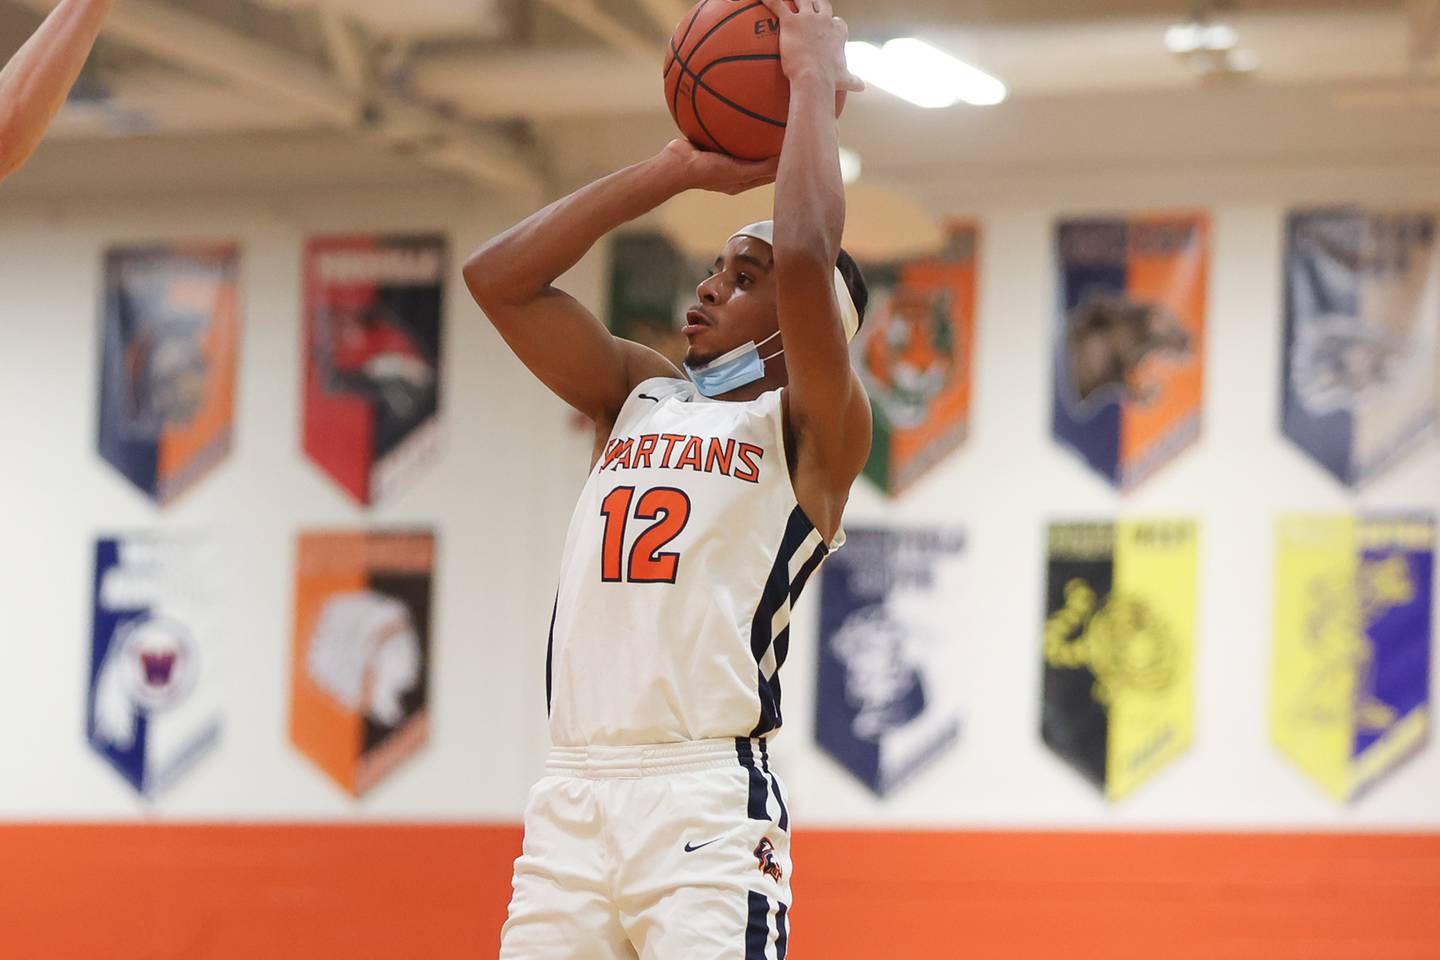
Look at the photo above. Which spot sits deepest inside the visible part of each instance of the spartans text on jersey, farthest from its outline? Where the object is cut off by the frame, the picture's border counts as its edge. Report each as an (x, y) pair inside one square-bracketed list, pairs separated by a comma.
[(683, 452)]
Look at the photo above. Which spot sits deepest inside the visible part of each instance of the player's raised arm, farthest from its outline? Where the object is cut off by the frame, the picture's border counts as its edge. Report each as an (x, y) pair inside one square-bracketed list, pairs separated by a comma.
[(829, 412), (512, 277), (36, 81)]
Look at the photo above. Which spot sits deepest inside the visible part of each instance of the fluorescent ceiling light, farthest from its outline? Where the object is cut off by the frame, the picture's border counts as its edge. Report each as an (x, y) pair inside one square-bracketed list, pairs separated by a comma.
[(913, 70), (1194, 37), (850, 165)]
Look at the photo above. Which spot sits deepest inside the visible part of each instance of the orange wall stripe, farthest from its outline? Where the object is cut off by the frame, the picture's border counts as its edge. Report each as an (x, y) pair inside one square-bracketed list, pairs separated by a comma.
[(435, 892)]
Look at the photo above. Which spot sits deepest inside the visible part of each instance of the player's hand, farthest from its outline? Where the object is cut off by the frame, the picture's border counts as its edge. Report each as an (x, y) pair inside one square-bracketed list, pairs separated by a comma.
[(812, 42), (717, 172)]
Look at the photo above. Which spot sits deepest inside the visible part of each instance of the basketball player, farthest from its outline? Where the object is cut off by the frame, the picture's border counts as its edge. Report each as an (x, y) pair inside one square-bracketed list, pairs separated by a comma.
[(36, 81), (659, 830)]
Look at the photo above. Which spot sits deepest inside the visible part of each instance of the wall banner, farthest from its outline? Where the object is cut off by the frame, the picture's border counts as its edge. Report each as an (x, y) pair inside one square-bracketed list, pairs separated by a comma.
[(914, 354), (652, 283), (153, 708), (1350, 687), (1119, 642), (1130, 342), (889, 638), (1362, 337), (373, 357), (170, 334), (361, 665)]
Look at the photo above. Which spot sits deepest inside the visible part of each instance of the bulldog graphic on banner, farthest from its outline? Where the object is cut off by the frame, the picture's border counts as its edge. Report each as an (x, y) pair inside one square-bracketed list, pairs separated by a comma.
[(1362, 337), (153, 705), (361, 666), (169, 338), (914, 355), (1350, 691), (1130, 346), (884, 706), (1119, 642), (373, 308)]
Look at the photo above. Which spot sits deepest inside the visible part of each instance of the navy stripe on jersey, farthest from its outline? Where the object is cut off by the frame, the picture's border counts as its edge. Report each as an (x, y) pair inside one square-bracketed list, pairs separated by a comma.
[(782, 934), (759, 787), (780, 592), (757, 930), (550, 655), (784, 821)]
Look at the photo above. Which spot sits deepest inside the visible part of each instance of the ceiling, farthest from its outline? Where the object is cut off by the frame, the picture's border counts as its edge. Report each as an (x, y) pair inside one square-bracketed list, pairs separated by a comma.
[(535, 94)]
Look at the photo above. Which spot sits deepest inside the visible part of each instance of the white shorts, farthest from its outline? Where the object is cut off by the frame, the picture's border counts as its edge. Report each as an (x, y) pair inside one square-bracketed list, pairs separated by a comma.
[(675, 851)]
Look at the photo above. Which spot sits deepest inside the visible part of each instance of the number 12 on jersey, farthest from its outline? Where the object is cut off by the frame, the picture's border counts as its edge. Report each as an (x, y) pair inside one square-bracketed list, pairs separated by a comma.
[(669, 508)]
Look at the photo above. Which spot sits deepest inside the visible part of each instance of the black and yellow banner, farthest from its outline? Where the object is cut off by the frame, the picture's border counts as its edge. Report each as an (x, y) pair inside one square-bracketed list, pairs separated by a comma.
[(1119, 645)]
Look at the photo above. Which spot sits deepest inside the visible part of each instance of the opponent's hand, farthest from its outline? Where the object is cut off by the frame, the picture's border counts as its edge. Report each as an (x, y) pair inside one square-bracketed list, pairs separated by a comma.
[(812, 42), (717, 172)]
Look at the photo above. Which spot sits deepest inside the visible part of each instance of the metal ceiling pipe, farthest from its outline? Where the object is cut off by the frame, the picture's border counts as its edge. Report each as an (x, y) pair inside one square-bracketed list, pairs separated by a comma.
[(210, 49)]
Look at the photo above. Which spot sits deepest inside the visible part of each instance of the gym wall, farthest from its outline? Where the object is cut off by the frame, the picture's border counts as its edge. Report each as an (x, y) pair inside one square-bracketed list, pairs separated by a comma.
[(1230, 851)]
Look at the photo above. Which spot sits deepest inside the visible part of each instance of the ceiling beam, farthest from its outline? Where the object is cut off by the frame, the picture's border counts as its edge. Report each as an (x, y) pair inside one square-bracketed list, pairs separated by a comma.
[(343, 46), (589, 15), (209, 49)]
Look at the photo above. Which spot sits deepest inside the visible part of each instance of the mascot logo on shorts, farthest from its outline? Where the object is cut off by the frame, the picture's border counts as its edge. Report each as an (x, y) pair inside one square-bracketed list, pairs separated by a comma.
[(765, 854)]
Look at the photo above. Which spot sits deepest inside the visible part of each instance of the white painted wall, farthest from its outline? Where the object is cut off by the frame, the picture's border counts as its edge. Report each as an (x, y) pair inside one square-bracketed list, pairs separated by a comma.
[(502, 488)]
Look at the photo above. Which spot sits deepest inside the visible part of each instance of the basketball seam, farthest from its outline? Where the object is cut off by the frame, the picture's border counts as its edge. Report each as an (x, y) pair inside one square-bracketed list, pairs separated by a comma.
[(674, 58), (699, 82), (695, 109), (684, 63)]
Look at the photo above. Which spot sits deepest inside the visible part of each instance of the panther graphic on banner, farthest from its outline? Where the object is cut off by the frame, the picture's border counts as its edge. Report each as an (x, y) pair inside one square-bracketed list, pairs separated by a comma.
[(1108, 341), (1130, 341)]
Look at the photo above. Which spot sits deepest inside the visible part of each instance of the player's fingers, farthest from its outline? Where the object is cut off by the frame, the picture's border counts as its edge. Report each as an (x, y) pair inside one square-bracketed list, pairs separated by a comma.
[(851, 83), (778, 7)]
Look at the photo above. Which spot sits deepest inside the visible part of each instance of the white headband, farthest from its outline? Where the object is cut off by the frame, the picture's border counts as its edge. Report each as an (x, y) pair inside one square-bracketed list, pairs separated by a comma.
[(764, 231)]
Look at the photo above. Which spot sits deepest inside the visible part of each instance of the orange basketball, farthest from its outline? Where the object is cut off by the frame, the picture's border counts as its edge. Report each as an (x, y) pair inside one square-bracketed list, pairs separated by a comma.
[(723, 80)]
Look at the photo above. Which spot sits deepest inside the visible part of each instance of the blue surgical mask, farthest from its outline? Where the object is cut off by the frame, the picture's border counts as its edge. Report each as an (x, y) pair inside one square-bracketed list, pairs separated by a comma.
[(738, 368)]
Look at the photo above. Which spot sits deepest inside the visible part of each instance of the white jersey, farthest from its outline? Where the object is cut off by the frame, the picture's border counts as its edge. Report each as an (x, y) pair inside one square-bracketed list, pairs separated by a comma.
[(684, 556)]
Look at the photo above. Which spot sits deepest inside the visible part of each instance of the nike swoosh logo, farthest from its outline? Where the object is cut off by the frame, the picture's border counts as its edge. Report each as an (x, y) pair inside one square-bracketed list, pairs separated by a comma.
[(646, 396), (689, 848)]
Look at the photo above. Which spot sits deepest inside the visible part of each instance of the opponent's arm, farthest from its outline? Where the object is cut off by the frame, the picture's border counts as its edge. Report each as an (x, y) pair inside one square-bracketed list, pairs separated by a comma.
[(829, 413), (512, 277), (36, 81)]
